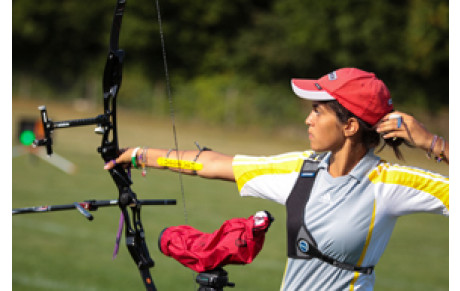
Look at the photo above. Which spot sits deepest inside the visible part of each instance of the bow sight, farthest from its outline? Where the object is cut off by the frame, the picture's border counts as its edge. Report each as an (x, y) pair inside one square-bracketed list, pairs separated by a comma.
[(49, 126)]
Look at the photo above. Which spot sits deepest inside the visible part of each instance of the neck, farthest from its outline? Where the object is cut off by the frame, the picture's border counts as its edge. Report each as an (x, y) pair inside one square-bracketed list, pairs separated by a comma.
[(345, 159)]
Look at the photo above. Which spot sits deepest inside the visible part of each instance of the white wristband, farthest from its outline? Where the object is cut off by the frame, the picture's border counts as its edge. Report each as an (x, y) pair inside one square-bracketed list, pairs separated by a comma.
[(134, 158)]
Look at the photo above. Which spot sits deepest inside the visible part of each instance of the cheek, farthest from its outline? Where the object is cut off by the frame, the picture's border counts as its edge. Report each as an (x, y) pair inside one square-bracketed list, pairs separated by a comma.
[(328, 135)]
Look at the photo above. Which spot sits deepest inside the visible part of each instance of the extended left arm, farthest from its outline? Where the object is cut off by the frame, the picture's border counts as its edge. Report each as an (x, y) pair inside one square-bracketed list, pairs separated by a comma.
[(209, 164)]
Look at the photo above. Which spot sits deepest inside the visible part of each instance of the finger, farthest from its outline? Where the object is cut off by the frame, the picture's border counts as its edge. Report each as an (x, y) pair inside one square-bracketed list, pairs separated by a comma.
[(390, 125), (398, 119), (110, 165)]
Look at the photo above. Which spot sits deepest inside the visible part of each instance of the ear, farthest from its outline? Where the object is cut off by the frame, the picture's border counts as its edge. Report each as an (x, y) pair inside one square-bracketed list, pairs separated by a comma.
[(351, 127)]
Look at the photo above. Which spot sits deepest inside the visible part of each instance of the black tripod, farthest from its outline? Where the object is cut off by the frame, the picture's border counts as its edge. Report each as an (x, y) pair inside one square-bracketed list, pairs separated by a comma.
[(214, 280)]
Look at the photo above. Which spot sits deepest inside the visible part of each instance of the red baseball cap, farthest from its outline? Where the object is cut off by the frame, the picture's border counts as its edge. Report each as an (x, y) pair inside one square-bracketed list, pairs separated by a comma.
[(362, 93)]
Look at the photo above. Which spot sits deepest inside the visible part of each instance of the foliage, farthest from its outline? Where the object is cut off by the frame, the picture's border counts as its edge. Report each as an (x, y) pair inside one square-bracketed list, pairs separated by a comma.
[(50, 41), (248, 47), (404, 42), (236, 101)]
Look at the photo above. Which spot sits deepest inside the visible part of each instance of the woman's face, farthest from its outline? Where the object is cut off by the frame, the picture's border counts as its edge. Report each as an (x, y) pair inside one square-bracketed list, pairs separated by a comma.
[(325, 132)]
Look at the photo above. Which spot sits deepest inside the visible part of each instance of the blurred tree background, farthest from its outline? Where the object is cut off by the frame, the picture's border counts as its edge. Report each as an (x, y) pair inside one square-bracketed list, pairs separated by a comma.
[(231, 61)]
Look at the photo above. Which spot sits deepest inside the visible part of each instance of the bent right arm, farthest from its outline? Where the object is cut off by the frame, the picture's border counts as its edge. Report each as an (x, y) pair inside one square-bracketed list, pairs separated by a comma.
[(215, 165), (415, 133)]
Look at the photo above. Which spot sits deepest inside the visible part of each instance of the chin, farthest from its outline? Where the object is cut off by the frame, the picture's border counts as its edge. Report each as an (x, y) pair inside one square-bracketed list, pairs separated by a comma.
[(318, 149), (314, 148)]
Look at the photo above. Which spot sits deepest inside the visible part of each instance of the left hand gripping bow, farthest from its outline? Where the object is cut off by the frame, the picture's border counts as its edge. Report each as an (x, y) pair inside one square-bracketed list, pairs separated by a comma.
[(109, 150)]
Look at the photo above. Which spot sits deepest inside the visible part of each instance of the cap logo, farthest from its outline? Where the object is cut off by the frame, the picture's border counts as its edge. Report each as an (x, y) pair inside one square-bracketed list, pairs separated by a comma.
[(332, 76), (318, 86), (390, 102)]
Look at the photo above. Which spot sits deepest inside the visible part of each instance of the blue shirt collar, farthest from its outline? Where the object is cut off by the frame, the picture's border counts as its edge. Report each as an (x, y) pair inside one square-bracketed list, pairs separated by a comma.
[(360, 171)]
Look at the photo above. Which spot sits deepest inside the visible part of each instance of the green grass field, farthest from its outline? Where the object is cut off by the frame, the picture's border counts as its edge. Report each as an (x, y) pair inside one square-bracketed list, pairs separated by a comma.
[(64, 251)]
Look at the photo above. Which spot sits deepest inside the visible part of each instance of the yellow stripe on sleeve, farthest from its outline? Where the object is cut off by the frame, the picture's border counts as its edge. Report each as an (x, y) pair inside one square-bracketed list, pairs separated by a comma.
[(434, 184), (246, 168)]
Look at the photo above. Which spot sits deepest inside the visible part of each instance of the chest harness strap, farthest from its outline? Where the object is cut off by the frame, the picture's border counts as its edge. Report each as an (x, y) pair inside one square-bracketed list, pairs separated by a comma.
[(300, 242)]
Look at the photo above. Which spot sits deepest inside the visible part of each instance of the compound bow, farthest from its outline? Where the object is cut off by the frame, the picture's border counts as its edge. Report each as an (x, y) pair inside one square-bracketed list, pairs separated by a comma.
[(109, 150)]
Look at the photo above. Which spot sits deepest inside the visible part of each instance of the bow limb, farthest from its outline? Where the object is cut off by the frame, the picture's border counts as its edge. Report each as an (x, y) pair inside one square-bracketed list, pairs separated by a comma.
[(111, 84)]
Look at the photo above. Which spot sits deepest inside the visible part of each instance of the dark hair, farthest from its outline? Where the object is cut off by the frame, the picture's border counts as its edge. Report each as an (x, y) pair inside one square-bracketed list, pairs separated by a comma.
[(369, 136)]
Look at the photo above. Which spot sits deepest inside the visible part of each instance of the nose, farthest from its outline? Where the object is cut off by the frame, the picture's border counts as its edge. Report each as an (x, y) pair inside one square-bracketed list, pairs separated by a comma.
[(309, 119)]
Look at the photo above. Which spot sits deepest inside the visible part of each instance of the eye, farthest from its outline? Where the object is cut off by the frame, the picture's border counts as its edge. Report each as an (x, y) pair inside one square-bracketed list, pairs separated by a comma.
[(315, 108)]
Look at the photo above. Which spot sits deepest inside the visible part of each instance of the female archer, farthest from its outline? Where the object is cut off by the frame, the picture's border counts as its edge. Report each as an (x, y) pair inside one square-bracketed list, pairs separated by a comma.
[(342, 200)]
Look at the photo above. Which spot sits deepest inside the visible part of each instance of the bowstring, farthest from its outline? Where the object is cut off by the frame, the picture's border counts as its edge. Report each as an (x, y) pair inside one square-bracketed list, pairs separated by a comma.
[(171, 106), (171, 110)]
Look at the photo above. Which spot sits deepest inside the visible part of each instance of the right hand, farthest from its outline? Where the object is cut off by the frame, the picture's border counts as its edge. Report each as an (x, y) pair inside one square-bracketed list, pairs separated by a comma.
[(411, 130)]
